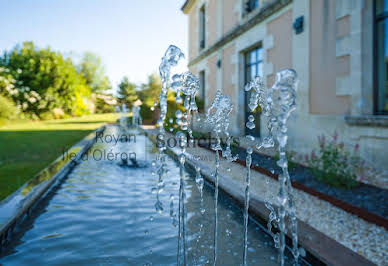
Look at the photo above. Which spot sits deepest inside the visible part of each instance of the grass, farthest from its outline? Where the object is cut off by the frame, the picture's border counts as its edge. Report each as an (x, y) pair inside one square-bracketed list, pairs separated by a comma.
[(28, 147)]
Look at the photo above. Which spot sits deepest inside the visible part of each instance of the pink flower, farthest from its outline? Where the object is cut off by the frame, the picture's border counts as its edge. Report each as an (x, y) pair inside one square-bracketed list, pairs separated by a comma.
[(313, 155), (335, 136), (356, 147)]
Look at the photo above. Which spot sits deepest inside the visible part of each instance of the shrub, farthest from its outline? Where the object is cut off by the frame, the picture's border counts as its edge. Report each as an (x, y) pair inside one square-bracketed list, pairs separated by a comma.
[(39, 80), (8, 110), (102, 107), (146, 112), (333, 164), (46, 116)]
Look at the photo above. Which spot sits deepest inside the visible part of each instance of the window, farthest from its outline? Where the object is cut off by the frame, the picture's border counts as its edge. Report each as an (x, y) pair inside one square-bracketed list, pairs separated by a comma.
[(202, 93), (381, 56), (251, 5), (253, 64), (253, 67), (202, 27), (202, 84)]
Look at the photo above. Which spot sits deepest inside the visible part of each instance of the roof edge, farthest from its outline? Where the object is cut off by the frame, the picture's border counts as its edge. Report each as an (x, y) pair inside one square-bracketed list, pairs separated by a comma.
[(187, 5)]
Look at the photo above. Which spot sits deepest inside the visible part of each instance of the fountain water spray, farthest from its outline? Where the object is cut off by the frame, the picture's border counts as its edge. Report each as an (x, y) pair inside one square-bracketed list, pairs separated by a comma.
[(136, 118), (188, 85), (277, 104), (217, 117), (123, 118)]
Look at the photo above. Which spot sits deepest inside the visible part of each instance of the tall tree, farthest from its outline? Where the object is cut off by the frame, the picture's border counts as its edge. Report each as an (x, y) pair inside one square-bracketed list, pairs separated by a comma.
[(127, 91), (93, 70), (151, 90), (42, 80)]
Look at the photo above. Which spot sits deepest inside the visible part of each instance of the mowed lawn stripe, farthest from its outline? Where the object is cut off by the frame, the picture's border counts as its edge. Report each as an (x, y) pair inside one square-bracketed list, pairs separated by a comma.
[(28, 147)]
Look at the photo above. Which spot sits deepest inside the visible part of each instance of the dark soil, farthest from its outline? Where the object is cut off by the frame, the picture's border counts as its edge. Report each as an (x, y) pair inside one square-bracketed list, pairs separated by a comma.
[(364, 196)]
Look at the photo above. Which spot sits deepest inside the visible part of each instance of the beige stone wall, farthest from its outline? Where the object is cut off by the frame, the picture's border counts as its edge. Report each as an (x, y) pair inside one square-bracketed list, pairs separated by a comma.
[(211, 77), (333, 63), (193, 32), (228, 72), (211, 22), (230, 14), (343, 26), (323, 61), (194, 70), (280, 55)]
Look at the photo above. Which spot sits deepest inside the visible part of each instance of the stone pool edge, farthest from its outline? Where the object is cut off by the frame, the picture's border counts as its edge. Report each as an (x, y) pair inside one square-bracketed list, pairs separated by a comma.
[(19, 204), (321, 248)]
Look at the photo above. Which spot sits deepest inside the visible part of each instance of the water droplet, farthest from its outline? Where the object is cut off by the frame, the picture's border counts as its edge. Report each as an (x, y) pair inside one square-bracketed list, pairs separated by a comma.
[(159, 206), (178, 114), (151, 218), (302, 252), (250, 125)]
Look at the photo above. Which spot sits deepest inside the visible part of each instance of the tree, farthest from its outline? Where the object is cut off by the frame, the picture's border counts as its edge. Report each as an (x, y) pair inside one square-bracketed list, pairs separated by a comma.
[(151, 90), (127, 91), (42, 80), (92, 69)]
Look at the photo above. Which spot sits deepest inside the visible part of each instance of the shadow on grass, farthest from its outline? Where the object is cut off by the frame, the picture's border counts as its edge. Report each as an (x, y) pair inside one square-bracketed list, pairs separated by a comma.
[(24, 153)]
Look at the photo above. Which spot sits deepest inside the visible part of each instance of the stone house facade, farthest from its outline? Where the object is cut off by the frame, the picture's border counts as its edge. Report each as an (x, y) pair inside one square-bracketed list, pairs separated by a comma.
[(338, 48)]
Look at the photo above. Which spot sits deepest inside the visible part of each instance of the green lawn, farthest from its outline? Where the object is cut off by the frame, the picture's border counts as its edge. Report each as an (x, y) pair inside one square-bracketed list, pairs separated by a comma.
[(28, 147)]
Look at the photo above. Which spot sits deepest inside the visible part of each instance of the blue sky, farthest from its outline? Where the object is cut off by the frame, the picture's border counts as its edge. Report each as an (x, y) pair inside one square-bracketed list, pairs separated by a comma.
[(130, 35)]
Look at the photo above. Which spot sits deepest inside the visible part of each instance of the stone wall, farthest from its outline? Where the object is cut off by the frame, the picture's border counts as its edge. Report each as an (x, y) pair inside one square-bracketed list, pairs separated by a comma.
[(332, 57)]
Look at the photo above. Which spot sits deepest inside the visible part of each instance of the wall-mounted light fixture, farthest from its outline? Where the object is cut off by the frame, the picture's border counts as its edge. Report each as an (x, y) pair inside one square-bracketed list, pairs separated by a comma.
[(219, 63), (298, 25)]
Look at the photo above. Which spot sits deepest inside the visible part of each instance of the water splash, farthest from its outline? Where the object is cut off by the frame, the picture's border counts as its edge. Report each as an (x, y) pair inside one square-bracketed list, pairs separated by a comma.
[(188, 85), (217, 117), (256, 98), (123, 116), (199, 181), (277, 104), (246, 206), (136, 117)]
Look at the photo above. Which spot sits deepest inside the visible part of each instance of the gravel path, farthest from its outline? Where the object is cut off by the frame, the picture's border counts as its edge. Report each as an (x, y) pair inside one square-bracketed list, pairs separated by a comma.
[(366, 239)]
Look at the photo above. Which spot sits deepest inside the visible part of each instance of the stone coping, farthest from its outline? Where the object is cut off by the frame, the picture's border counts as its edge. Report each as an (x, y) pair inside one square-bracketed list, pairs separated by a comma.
[(321, 249), (367, 120), (15, 207)]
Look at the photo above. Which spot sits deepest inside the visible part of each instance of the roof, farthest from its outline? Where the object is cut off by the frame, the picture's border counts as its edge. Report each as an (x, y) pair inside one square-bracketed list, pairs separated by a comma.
[(187, 5)]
